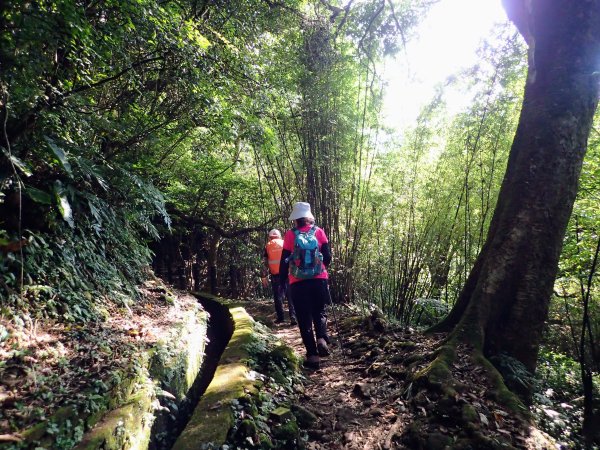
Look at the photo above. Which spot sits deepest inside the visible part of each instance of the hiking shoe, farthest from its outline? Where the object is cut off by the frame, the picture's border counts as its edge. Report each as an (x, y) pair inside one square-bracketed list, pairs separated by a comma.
[(293, 321), (322, 347), (312, 362)]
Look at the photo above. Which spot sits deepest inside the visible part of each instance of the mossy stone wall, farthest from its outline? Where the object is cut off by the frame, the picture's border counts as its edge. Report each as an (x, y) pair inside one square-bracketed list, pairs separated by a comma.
[(213, 416), (124, 417), (169, 373)]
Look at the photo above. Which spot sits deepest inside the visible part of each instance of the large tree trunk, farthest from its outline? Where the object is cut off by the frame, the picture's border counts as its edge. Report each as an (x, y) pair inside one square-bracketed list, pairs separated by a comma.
[(214, 240), (504, 303)]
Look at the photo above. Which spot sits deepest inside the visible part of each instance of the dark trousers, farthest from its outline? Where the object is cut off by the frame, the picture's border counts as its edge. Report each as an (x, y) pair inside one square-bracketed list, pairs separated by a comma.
[(309, 298), (279, 293)]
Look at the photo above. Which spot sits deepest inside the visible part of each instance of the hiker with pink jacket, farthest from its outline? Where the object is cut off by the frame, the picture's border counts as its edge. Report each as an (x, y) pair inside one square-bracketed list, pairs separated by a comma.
[(304, 260)]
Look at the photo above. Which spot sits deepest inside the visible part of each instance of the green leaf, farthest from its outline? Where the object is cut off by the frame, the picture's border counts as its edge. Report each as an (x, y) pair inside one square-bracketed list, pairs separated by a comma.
[(18, 163), (63, 204), (38, 195), (60, 154)]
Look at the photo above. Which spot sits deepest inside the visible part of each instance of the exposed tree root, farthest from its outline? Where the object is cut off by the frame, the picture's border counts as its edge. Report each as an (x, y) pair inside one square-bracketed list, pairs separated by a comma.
[(500, 392), (448, 398)]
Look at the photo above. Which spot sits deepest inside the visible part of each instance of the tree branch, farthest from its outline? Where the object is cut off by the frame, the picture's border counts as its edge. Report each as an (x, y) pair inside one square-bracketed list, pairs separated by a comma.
[(19, 126), (370, 24), (230, 234), (344, 18), (88, 86), (398, 26)]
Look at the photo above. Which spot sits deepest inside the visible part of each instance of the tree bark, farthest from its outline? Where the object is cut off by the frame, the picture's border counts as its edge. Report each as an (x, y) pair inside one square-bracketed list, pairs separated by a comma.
[(504, 303)]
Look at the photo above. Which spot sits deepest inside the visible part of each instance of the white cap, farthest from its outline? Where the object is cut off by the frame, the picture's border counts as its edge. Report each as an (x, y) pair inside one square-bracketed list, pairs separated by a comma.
[(275, 233), (301, 209)]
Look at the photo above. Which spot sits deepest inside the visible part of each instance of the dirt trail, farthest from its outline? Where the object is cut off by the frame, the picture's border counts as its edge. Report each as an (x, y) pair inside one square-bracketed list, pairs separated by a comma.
[(364, 397), (355, 410)]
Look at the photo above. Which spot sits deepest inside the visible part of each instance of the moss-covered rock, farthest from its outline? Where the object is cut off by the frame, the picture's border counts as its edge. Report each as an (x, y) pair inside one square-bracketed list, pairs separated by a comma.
[(247, 428), (265, 441), (287, 431), (304, 417), (469, 414), (123, 416), (437, 441), (285, 356)]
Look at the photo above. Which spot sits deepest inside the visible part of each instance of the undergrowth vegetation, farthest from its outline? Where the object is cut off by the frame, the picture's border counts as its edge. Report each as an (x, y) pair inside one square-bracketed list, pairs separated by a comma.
[(67, 272), (558, 400)]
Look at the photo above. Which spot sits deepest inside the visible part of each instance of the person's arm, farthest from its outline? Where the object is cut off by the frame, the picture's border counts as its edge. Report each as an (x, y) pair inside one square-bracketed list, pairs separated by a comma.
[(325, 247), (284, 267), (265, 269), (326, 252)]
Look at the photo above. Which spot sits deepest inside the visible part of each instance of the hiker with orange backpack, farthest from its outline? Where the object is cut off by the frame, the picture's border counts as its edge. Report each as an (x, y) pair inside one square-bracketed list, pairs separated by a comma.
[(272, 259), (304, 260)]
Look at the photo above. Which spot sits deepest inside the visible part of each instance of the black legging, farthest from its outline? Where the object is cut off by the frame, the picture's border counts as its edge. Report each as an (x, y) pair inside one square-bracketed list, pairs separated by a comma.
[(278, 295), (309, 298)]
